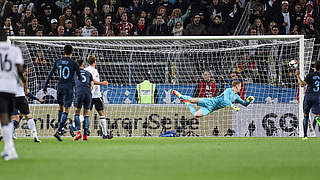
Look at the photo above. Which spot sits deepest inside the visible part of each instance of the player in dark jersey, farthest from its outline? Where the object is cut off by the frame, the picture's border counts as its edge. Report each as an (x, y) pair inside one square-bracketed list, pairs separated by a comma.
[(83, 98), (66, 68), (312, 96)]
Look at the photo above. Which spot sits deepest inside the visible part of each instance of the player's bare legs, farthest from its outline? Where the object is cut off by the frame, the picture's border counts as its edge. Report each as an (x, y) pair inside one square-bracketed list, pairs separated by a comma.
[(9, 152)]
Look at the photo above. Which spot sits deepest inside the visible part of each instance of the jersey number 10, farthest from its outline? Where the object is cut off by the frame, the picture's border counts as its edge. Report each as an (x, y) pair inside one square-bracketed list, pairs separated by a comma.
[(64, 72)]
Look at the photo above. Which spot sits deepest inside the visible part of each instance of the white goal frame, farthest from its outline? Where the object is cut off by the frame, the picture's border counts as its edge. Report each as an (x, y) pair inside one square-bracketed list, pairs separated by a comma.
[(133, 38)]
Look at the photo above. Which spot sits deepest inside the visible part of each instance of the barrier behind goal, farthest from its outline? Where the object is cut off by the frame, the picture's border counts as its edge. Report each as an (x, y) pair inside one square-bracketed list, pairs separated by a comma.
[(177, 63)]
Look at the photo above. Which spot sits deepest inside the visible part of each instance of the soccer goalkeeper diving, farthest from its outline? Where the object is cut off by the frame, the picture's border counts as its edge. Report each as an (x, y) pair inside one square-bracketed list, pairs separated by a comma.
[(209, 105)]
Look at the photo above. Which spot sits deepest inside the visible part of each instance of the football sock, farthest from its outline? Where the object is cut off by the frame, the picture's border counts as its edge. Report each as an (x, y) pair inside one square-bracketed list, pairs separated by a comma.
[(63, 121), (59, 115), (86, 124), (15, 124), (103, 125), (32, 127), (192, 109), (7, 131), (305, 126), (77, 122)]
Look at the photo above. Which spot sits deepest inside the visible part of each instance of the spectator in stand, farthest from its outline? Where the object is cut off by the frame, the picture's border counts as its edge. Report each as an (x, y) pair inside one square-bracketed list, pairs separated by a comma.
[(310, 13), (15, 18), (77, 7), (148, 6), (108, 28), (160, 27), (95, 33), (177, 29), (275, 30), (45, 19), (84, 16), (206, 87), (78, 32), (33, 28), (113, 6), (22, 32), (8, 26), (195, 28), (298, 15), (60, 31), (312, 32), (52, 30), (134, 9), (259, 13), (269, 30), (119, 13), (163, 11), (61, 6), (5, 7), (259, 26), (104, 13), (295, 30), (235, 76), (39, 33), (88, 28), (217, 27), (167, 6), (142, 28), (68, 16), (68, 29), (177, 16), (125, 28), (214, 9), (26, 5), (247, 67), (27, 18), (284, 19)]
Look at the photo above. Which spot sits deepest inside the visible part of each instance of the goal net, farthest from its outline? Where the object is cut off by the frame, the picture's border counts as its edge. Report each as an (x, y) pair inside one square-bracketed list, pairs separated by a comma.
[(179, 63)]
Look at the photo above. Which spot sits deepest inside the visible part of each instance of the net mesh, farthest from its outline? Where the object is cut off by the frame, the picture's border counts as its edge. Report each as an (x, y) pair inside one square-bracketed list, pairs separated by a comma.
[(262, 65)]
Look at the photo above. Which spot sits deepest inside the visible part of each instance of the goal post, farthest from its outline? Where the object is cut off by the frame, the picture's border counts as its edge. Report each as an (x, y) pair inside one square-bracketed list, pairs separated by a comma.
[(178, 63)]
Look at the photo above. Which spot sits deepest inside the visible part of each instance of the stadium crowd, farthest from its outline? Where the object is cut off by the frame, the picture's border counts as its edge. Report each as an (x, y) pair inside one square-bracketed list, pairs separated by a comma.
[(155, 17)]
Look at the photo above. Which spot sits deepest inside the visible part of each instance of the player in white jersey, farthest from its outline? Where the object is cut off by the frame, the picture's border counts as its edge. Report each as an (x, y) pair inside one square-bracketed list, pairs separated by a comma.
[(10, 65), (96, 95), (22, 107)]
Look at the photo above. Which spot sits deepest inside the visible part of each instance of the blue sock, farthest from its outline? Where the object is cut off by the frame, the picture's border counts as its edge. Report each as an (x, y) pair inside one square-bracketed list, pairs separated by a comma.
[(77, 122), (86, 124), (63, 121), (185, 97), (15, 124), (59, 116), (192, 109), (305, 126)]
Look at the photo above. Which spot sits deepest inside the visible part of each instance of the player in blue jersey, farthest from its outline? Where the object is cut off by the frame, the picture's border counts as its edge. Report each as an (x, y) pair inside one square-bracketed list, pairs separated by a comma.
[(227, 98), (312, 96), (83, 98), (66, 68)]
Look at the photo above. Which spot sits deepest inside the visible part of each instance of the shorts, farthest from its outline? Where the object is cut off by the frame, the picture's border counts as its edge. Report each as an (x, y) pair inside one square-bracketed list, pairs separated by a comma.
[(97, 102), (22, 106), (83, 98), (7, 103), (208, 105), (311, 102), (65, 96)]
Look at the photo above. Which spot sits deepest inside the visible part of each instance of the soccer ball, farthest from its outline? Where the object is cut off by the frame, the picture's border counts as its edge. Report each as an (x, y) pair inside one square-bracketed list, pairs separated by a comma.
[(293, 64)]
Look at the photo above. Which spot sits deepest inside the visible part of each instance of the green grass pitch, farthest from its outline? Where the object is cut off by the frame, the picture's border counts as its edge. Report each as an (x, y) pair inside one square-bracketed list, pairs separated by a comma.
[(156, 158)]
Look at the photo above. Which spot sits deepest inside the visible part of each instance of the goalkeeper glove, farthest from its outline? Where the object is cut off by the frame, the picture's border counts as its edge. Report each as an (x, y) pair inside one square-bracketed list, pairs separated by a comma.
[(250, 99), (235, 107)]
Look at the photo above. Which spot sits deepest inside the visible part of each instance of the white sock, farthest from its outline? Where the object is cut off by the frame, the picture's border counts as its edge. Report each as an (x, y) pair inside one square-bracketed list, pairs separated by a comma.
[(32, 127), (103, 125), (7, 136)]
